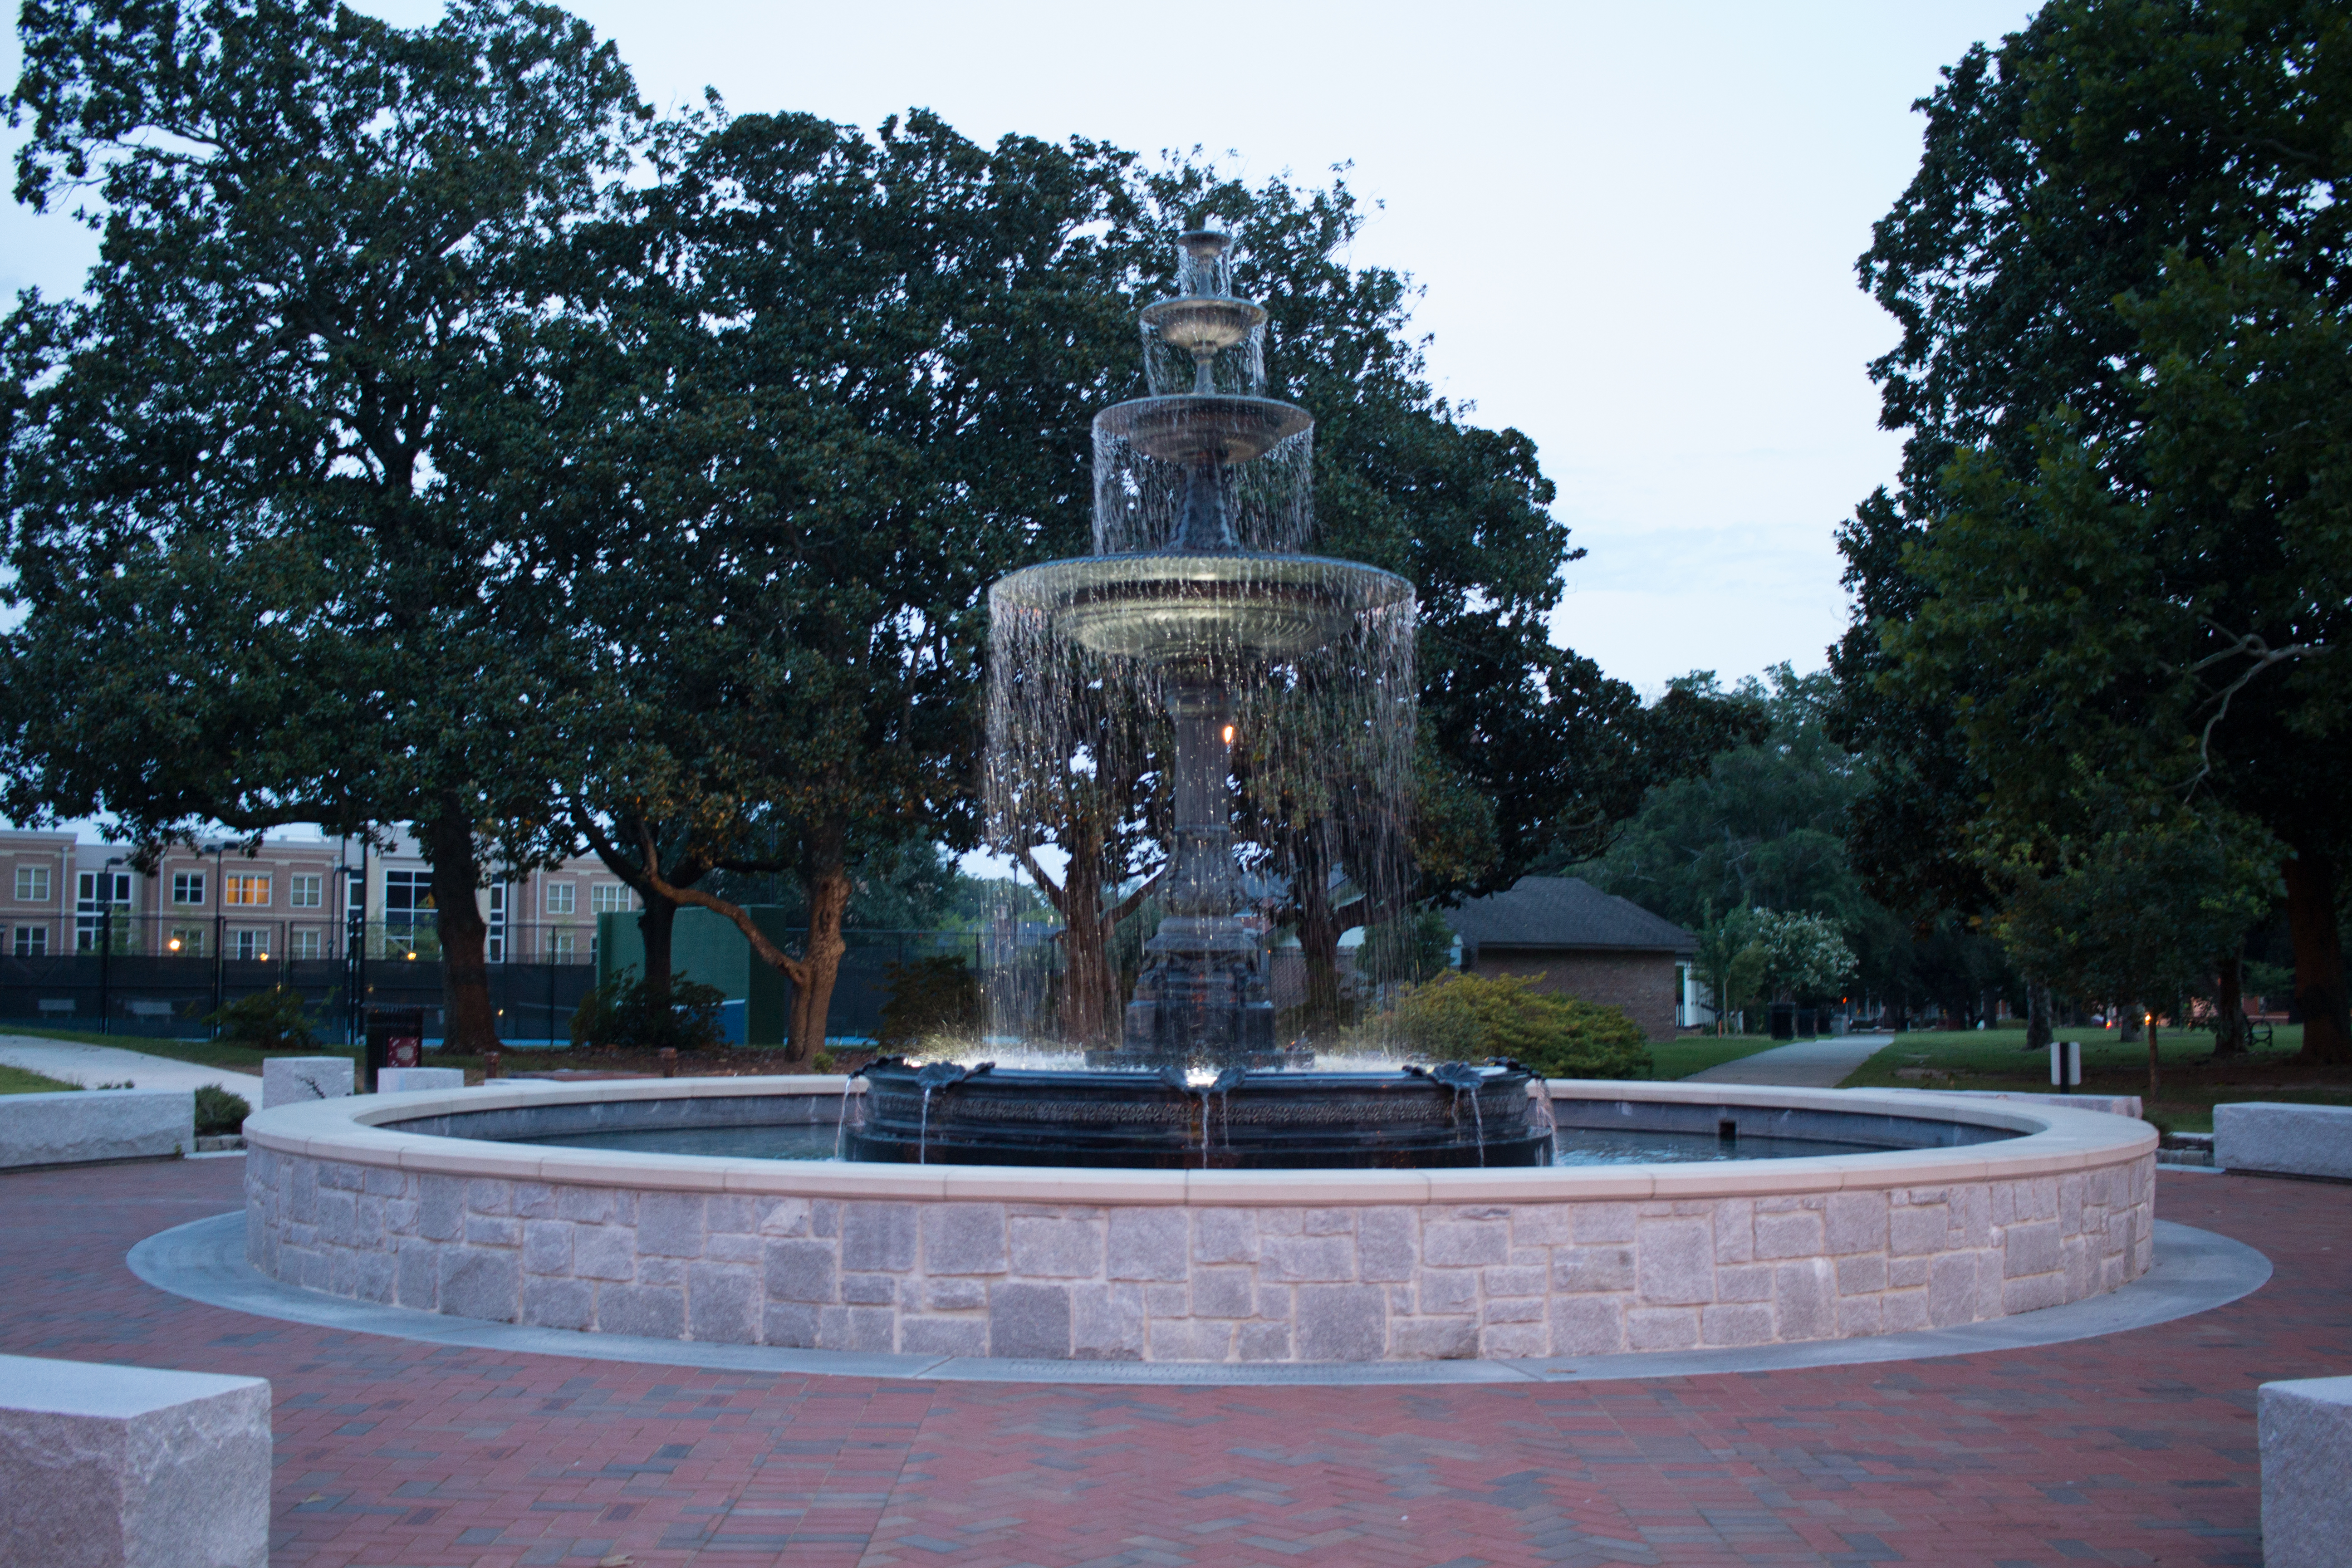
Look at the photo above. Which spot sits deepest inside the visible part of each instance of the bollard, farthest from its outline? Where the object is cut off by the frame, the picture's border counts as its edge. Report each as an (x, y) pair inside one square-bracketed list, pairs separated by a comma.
[(669, 1061), (490, 1064), (2066, 1065)]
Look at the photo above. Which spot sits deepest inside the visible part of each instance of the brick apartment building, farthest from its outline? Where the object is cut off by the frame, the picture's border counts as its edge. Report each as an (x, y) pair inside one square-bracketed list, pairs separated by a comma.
[(1585, 943), (289, 900)]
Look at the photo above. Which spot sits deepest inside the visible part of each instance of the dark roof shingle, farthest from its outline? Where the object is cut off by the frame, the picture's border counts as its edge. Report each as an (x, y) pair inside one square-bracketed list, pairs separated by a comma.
[(1568, 912)]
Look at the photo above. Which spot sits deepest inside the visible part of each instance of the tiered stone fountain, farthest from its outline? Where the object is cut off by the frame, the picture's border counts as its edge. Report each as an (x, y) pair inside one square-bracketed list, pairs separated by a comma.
[(1197, 603)]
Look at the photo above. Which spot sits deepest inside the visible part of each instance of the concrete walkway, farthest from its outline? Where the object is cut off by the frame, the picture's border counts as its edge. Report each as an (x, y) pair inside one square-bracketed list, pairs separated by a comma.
[(70, 1062), (1808, 1064)]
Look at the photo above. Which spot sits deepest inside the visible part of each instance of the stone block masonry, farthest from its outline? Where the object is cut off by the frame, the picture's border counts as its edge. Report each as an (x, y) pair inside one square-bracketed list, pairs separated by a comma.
[(1198, 1281), (119, 1466)]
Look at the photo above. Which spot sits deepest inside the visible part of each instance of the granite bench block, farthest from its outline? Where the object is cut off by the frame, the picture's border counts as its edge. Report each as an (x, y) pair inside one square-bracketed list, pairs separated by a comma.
[(77, 1126), (2284, 1140), (2307, 1440), (119, 1467), (286, 1079)]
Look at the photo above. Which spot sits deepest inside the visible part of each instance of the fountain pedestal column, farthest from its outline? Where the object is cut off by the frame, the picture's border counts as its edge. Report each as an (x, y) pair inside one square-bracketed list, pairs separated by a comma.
[(1201, 996)]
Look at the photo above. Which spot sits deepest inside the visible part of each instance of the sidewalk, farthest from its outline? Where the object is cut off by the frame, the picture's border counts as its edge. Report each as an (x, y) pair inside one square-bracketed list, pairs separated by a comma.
[(70, 1062), (1808, 1064)]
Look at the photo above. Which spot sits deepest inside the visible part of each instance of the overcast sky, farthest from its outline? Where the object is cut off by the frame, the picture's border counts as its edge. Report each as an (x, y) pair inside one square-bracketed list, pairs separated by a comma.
[(1635, 225)]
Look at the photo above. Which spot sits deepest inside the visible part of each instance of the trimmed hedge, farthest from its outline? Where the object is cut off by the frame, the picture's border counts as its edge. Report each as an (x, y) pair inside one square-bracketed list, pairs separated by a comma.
[(1469, 1017)]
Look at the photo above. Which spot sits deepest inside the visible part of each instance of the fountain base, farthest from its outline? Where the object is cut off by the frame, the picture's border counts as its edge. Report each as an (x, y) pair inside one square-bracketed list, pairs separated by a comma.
[(1137, 1119)]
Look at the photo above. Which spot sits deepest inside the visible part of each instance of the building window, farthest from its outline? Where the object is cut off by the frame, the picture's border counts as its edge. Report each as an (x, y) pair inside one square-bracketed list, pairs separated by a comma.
[(188, 887), (559, 946), (248, 944), (248, 888), (301, 944), (303, 889), (494, 943), (32, 884), (560, 898), (32, 941), (408, 919), (97, 895), (608, 898), (185, 941)]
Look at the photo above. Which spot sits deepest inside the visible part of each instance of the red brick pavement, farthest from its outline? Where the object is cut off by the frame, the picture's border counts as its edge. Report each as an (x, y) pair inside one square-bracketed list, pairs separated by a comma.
[(2138, 1448)]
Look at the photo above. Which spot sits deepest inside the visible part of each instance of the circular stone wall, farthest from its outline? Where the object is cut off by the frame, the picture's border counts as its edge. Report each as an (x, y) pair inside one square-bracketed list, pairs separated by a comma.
[(1200, 1266)]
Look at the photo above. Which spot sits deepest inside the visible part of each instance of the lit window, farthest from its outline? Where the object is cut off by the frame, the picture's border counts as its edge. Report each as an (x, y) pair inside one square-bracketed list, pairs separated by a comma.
[(558, 898), (32, 884), (247, 888), (300, 944), (303, 889), (32, 941), (188, 887), (608, 898), (559, 946)]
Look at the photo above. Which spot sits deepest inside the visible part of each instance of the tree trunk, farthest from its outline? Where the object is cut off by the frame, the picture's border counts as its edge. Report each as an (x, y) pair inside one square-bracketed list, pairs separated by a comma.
[(2037, 1017), (657, 924), (825, 879), (1319, 942), (469, 1026), (2230, 1036), (2318, 958)]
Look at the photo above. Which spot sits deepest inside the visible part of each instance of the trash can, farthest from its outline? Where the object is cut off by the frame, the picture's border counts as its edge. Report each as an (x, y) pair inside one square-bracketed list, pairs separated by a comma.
[(1784, 1020), (395, 1038)]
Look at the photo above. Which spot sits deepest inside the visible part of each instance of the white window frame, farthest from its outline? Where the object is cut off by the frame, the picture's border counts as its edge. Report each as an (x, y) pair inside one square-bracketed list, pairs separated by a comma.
[(560, 897), (303, 943), (236, 886), (305, 889), (32, 884), (188, 889), (608, 898), (32, 941)]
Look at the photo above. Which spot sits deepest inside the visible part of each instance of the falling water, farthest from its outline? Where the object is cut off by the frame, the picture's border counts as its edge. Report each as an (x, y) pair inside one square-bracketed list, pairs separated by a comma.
[(1199, 634)]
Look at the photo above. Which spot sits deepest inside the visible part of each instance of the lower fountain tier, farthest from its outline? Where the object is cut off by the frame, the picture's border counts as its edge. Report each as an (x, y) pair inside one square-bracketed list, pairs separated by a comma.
[(1176, 606), (1278, 1121)]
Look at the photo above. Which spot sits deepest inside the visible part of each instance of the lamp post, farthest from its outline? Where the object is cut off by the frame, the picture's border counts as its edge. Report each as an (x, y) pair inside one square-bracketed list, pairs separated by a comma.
[(220, 924), (106, 945)]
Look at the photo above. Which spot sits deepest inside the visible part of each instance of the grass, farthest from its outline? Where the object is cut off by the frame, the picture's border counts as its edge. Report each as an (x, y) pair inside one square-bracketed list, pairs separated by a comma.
[(1696, 1052), (16, 1080), (2191, 1082)]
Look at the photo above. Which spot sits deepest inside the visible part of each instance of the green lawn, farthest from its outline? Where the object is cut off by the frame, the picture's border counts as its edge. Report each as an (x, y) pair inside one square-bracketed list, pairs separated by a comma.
[(2191, 1084), (16, 1080), (1696, 1052)]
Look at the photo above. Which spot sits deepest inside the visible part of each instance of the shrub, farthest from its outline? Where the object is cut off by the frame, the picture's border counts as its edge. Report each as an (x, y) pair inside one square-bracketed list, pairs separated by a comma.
[(271, 1020), (219, 1111), (929, 996), (1468, 1017), (623, 1013)]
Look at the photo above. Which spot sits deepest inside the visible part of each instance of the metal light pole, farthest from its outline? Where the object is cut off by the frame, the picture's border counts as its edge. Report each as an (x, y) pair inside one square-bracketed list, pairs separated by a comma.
[(220, 928), (106, 945)]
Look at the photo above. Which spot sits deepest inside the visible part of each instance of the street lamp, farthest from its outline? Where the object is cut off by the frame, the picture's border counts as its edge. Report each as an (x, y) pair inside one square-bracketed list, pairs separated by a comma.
[(220, 925)]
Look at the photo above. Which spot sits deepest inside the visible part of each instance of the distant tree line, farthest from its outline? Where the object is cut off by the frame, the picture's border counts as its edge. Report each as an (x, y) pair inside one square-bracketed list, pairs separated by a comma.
[(445, 438)]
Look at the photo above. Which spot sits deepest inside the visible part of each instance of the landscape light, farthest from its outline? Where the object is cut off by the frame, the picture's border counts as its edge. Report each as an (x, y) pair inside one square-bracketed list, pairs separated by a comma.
[(1229, 734)]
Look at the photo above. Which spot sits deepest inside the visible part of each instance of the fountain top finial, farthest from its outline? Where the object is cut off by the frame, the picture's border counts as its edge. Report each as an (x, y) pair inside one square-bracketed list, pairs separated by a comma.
[(1202, 268)]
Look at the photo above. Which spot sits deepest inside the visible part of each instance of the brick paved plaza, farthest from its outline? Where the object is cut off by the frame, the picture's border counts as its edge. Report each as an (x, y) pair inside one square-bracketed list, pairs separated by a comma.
[(2137, 1448)]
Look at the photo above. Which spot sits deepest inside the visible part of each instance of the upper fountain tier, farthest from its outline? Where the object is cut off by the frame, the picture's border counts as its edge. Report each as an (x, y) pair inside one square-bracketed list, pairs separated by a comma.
[(1208, 461)]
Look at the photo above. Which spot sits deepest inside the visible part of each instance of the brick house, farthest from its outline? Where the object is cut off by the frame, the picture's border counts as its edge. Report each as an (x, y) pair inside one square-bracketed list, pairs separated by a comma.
[(1585, 943)]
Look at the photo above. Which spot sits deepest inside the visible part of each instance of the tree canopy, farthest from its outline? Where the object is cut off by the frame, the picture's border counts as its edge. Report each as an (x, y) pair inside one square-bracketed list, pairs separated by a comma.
[(2117, 562)]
